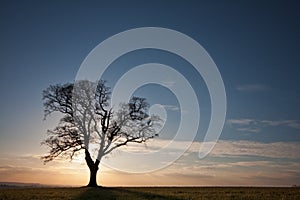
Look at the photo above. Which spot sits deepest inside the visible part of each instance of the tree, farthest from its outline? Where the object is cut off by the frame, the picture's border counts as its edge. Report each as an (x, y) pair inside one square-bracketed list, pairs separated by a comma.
[(87, 117)]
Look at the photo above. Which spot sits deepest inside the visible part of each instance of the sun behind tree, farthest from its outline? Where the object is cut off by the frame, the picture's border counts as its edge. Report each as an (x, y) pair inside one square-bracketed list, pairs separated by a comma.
[(89, 119)]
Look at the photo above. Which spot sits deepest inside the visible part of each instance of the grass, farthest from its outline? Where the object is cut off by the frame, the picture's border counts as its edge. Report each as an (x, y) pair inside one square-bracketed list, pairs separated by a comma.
[(141, 193)]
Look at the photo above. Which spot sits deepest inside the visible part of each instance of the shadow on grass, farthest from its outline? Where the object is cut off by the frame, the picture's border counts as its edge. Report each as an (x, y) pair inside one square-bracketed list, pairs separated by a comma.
[(112, 193), (96, 193)]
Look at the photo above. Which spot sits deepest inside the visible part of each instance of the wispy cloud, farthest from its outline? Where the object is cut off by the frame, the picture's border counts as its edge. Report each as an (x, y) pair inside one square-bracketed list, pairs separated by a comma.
[(250, 148), (252, 88), (289, 123), (169, 83), (226, 148), (244, 125), (241, 163), (249, 129), (171, 107), (254, 125), (241, 122), (229, 163)]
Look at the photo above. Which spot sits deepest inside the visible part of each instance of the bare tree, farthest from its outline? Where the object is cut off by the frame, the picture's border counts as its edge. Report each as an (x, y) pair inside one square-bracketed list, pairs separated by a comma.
[(88, 118)]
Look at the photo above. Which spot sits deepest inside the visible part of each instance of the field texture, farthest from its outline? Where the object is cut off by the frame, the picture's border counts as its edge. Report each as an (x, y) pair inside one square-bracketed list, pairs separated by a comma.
[(139, 193)]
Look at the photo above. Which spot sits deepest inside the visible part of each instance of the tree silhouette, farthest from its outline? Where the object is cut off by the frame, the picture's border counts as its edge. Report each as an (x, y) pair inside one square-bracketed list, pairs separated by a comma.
[(89, 119)]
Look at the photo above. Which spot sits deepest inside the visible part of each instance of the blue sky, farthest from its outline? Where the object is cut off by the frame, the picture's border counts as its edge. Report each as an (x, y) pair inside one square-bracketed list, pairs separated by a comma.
[(254, 44)]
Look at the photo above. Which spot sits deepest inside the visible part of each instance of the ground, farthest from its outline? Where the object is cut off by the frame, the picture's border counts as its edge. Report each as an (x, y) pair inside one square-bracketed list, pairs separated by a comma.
[(141, 193)]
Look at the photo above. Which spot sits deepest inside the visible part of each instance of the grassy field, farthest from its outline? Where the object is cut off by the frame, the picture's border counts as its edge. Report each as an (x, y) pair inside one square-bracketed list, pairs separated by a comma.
[(140, 193)]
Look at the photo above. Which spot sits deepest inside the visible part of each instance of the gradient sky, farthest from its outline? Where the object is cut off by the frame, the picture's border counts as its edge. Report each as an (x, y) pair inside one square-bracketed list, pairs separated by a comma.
[(254, 44)]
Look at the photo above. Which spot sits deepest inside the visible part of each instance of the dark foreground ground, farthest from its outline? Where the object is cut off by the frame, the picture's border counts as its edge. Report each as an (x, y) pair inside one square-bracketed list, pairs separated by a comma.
[(132, 193)]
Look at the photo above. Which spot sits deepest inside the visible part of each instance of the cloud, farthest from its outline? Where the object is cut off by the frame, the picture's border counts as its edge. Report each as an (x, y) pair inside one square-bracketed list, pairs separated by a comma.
[(249, 129), (169, 83), (288, 123), (229, 163), (239, 163), (244, 125), (171, 107), (249, 148), (255, 126), (252, 88), (224, 148), (241, 122)]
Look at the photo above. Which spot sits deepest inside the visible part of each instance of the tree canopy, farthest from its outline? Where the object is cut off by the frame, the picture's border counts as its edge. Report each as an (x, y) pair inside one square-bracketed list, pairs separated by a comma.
[(88, 118)]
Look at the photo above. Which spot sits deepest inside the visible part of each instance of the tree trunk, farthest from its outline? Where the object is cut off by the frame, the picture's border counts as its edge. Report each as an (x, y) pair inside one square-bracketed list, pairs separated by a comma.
[(93, 177), (93, 166)]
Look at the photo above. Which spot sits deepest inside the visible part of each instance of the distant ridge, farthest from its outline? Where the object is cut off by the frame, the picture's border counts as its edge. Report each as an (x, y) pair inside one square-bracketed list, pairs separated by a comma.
[(25, 185)]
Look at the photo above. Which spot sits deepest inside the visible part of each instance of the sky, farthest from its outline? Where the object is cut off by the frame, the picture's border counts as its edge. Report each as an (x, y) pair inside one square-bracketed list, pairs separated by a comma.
[(254, 44)]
